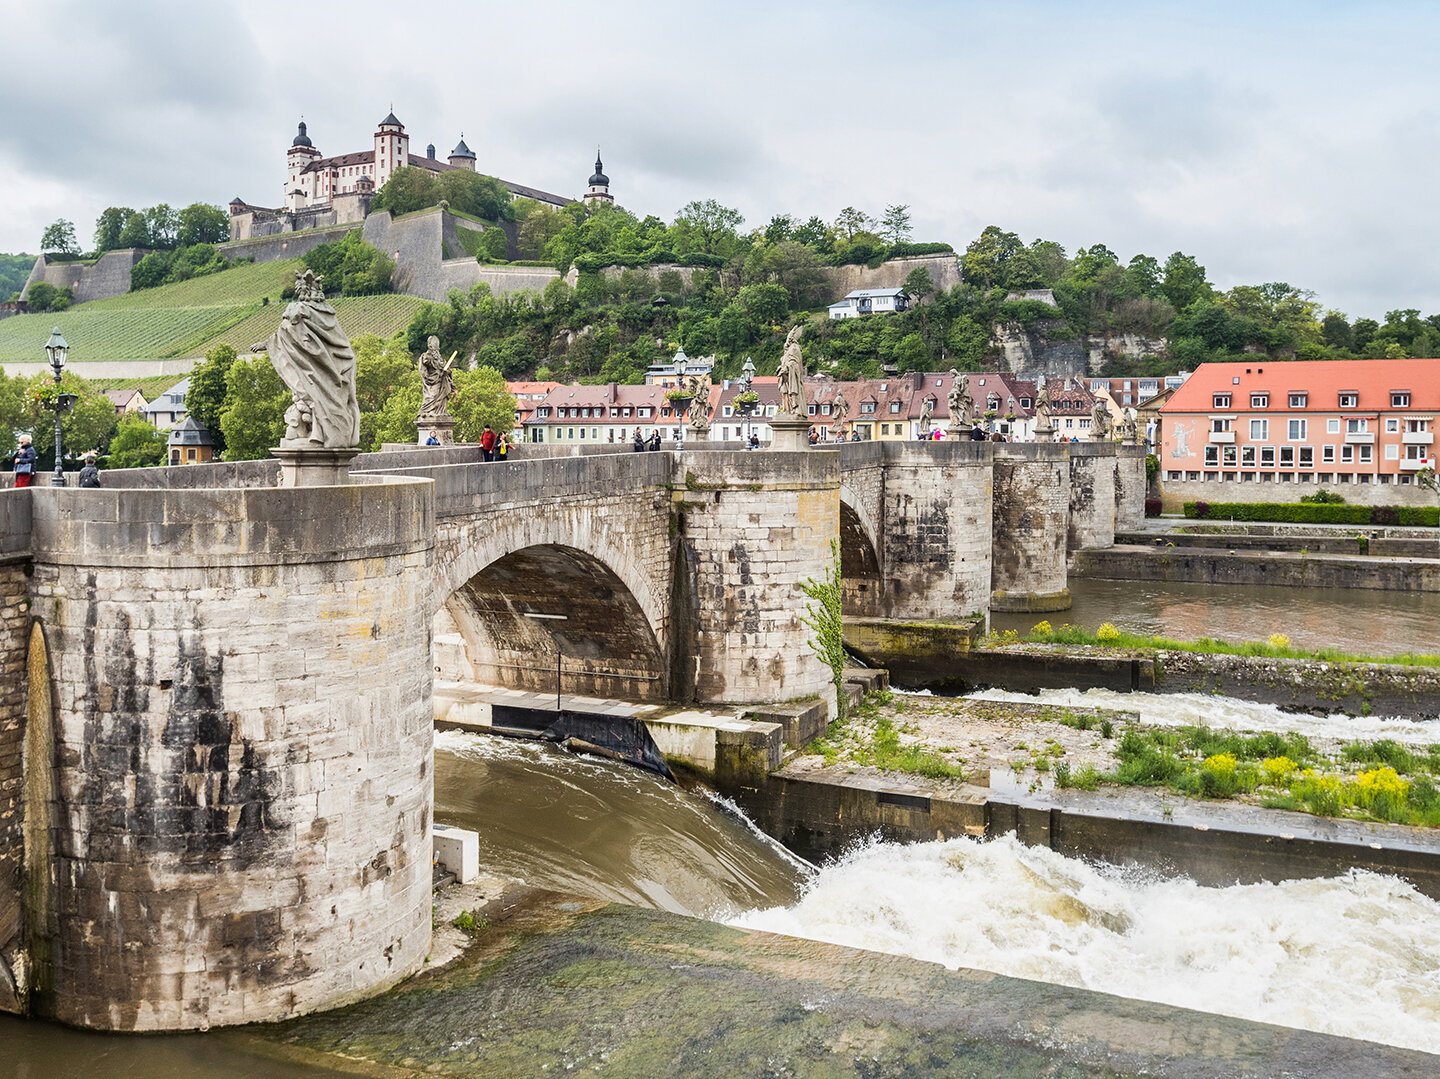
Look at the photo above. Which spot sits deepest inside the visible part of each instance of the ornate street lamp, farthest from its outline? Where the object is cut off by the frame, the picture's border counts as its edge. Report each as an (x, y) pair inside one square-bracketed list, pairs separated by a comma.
[(55, 351), (747, 379)]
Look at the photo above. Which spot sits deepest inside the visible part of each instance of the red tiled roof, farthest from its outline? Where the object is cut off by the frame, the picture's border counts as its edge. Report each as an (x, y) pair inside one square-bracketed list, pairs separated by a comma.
[(1322, 380)]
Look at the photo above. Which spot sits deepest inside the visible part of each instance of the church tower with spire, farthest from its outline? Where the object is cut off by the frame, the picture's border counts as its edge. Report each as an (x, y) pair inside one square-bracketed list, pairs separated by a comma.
[(392, 148), (301, 153), (599, 189)]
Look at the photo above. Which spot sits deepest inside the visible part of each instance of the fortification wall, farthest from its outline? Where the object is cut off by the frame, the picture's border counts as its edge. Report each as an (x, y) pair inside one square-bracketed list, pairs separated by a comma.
[(238, 835), (283, 245), (109, 276), (14, 636), (944, 271), (1032, 505), (1092, 495)]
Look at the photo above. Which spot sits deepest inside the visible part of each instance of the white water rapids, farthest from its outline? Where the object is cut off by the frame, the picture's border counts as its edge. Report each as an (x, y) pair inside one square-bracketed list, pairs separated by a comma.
[(1357, 955)]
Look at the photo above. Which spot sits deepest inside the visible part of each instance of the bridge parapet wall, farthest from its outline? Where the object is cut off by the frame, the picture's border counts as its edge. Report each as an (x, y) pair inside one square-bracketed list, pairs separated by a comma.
[(240, 835), (1032, 505), (753, 527), (1092, 495)]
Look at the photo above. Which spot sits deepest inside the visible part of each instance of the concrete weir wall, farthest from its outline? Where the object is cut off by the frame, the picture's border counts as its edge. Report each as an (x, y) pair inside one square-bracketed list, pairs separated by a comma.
[(236, 834), (1031, 526)]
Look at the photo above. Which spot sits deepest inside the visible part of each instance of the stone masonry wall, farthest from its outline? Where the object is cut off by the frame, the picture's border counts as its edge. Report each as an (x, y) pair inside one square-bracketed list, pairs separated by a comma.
[(1130, 488), (14, 635), (240, 836), (1092, 495), (756, 525), (109, 276), (936, 520), (1032, 502), (283, 245)]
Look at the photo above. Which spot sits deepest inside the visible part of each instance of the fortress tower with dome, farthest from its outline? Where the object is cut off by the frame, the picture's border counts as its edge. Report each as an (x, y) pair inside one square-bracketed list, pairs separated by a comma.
[(321, 191)]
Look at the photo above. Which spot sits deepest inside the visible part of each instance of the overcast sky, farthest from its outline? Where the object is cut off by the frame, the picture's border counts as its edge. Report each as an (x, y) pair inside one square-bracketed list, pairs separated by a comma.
[(1272, 140)]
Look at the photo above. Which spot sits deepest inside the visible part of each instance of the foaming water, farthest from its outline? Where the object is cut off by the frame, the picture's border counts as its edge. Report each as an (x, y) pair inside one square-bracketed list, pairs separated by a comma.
[(592, 827), (1205, 710), (1357, 955)]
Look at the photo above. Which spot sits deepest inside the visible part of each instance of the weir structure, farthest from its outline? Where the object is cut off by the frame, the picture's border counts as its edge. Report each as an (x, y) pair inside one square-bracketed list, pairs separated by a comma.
[(216, 695)]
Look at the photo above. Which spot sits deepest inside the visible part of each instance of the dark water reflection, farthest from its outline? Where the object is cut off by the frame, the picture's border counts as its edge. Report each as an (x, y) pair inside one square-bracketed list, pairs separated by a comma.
[(1357, 621)]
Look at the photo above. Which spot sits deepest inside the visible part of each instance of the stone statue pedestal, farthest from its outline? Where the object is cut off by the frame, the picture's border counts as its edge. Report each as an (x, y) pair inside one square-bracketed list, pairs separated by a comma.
[(790, 433), (1045, 434), (444, 430), (314, 466), (698, 434), (959, 429)]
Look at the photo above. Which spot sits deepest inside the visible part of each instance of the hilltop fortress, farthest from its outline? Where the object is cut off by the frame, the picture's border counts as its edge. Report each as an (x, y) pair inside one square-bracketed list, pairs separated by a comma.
[(322, 191)]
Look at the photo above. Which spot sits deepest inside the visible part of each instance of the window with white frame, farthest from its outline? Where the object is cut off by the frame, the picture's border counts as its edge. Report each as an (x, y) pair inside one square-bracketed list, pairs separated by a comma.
[(1219, 424), (1259, 430), (1392, 452), (1212, 456), (1399, 398), (1298, 400), (1417, 427), (1259, 400), (1220, 400), (1347, 454), (1349, 399), (1332, 426), (1307, 457), (1297, 430), (894, 406), (1247, 456), (1356, 427), (1392, 425), (1367, 454), (1227, 456), (1267, 456), (1287, 456), (1327, 455)]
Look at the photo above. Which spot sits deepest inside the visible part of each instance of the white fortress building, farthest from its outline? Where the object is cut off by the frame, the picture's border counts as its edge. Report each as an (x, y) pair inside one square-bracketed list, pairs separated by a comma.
[(337, 190)]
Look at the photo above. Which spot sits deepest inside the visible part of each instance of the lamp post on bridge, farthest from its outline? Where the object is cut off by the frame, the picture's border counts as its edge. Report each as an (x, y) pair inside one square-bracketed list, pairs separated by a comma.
[(56, 350), (552, 618), (747, 380)]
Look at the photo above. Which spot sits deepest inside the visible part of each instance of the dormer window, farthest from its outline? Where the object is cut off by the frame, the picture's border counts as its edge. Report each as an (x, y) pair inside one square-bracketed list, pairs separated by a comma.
[(1349, 399), (1220, 400), (894, 406), (1399, 398), (1259, 400), (1024, 402), (1298, 400)]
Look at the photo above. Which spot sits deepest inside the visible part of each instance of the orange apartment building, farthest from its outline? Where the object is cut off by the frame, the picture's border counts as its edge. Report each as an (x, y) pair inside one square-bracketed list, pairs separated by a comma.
[(1268, 431)]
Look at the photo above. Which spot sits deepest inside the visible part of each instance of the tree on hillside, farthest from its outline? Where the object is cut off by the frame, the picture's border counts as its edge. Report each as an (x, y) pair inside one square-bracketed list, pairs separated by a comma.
[(1184, 281), (985, 261), (471, 193), (481, 398), (918, 284), (205, 399), (136, 444), (60, 237), (709, 226), (895, 225), (408, 189), (385, 373), (202, 224), (108, 227), (162, 226), (780, 227), (1335, 330), (135, 233), (43, 296), (87, 426), (850, 221), (538, 229), (1142, 277), (255, 402)]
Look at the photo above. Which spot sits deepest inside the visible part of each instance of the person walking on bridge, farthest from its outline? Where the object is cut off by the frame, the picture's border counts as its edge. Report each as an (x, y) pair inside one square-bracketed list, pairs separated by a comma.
[(90, 474), (487, 443), (639, 441), (25, 463)]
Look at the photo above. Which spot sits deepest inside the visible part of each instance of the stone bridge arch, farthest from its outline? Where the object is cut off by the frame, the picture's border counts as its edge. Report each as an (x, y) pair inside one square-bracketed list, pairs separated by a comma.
[(603, 563), (860, 560)]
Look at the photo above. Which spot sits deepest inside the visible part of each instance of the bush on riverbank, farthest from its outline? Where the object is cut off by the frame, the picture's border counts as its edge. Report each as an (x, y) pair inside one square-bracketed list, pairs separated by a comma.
[(1311, 513), (1278, 647)]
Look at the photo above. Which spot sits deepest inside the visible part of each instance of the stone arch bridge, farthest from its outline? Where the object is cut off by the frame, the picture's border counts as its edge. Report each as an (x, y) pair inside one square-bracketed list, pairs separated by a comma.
[(216, 694)]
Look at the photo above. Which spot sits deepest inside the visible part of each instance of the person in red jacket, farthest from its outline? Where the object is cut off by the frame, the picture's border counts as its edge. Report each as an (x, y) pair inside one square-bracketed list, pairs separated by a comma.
[(487, 443)]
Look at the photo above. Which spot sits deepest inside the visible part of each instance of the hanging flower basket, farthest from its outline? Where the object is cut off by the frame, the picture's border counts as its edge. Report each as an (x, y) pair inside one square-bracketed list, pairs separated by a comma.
[(679, 399), (745, 403)]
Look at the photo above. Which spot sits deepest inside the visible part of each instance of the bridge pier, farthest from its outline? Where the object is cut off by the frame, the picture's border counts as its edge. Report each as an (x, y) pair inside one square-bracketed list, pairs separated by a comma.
[(1032, 504), (1093, 496), (751, 528), (220, 825)]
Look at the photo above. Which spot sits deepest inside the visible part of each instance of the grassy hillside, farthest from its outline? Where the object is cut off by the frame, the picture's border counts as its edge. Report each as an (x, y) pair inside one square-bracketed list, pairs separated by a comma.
[(186, 318)]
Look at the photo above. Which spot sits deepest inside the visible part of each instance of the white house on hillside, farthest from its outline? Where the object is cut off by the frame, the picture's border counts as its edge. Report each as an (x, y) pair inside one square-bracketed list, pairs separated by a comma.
[(870, 301), (169, 408)]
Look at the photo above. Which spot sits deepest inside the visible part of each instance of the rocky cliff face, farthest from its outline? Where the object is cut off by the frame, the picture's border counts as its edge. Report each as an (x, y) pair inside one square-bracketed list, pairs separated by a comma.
[(1032, 351)]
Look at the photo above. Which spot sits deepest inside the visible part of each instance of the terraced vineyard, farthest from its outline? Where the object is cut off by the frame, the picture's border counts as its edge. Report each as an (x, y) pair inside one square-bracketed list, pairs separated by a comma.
[(186, 318)]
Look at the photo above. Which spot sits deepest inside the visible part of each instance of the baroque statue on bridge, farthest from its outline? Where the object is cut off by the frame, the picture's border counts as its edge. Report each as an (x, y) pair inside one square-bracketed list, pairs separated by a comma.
[(959, 402), (792, 376), (1099, 422), (436, 382), (313, 356), (698, 415)]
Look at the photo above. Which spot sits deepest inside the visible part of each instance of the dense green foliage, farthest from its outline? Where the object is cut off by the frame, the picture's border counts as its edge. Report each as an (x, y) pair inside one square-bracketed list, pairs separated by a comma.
[(59, 237), (14, 272), (136, 444), (89, 425), (167, 267), (160, 227), (410, 189), (205, 399), (44, 297), (1313, 513), (350, 266)]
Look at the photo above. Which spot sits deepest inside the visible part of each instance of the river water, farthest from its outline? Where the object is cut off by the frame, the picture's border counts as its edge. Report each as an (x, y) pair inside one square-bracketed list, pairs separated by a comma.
[(1362, 622), (1357, 955)]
